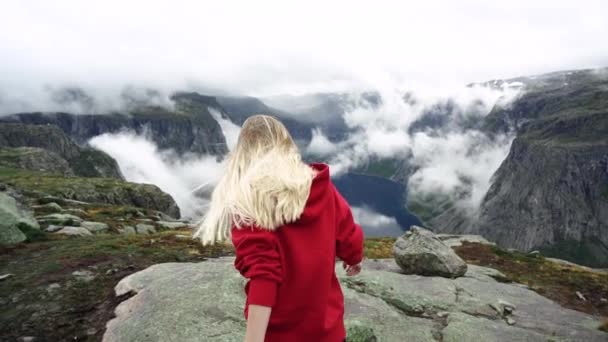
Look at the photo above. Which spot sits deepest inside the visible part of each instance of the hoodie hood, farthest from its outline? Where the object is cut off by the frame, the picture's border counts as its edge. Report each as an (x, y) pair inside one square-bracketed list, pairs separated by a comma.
[(320, 193)]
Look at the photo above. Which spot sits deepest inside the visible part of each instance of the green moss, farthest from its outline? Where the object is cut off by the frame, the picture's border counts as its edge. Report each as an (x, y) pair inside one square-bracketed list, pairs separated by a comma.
[(378, 248), (359, 333), (32, 234), (90, 161), (587, 252)]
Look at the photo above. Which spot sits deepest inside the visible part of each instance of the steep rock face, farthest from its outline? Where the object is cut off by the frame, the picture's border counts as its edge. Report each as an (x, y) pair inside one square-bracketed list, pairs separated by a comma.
[(551, 192), (46, 148), (240, 108), (188, 128), (546, 196)]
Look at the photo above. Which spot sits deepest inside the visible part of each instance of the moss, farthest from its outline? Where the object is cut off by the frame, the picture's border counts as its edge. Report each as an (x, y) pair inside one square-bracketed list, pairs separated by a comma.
[(359, 333), (73, 307), (555, 281), (90, 161), (589, 252), (378, 248), (32, 234)]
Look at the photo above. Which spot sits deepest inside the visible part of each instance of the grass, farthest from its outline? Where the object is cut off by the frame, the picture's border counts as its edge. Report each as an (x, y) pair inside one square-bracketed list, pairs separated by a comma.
[(44, 299), (555, 281), (78, 310), (552, 280)]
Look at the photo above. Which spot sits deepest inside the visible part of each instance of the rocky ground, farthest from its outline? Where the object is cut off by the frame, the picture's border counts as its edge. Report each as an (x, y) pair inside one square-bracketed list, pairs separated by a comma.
[(64, 289)]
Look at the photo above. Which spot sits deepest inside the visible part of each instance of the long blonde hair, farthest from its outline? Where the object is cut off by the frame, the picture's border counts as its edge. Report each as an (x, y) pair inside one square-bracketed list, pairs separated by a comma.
[(265, 184)]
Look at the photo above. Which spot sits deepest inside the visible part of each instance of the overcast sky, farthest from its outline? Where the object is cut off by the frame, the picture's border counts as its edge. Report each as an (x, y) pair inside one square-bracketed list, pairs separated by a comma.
[(273, 47)]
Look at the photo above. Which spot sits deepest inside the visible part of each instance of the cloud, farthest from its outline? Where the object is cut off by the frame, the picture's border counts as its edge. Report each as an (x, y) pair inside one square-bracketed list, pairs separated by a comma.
[(231, 131), (447, 153), (141, 162), (319, 144), (375, 224), (275, 47)]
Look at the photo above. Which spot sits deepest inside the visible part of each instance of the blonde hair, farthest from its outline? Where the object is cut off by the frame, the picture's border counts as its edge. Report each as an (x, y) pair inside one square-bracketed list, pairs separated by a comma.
[(265, 184)]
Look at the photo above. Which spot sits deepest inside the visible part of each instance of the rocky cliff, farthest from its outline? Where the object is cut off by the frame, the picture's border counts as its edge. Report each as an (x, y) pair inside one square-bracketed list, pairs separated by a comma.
[(47, 148), (551, 192), (189, 127)]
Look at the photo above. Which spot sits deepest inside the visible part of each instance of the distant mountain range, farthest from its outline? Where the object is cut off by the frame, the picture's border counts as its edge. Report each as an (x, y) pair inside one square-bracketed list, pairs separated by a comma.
[(550, 193)]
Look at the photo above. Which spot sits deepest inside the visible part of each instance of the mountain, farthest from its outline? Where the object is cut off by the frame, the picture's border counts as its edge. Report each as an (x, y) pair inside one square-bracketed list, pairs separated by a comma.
[(551, 192), (240, 108), (188, 127), (47, 148)]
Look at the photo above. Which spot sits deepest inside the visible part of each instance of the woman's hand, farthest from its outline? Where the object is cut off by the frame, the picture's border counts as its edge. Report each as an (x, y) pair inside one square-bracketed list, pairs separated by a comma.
[(352, 270)]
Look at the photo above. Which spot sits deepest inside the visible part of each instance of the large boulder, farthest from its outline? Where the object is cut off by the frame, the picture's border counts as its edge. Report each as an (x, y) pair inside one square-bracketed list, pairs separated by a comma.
[(419, 251), (13, 217), (381, 304)]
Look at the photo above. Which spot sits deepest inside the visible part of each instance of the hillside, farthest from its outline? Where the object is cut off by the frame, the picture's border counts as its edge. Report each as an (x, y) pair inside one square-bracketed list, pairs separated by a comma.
[(188, 127), (550, 192)]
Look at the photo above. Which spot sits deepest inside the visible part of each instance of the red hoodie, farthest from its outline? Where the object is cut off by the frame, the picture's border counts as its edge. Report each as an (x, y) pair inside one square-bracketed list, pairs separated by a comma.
[(291, 269)]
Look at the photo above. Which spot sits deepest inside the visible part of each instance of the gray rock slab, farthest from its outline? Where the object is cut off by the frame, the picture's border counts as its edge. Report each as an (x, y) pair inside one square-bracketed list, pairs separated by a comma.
[(204, 302)]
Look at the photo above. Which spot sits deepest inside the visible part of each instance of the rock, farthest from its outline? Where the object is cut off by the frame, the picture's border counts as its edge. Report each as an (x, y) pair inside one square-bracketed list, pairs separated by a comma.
[(94, 227), (183, 237), (127, 230), (510, 321), (27, 339), (535, 254), (51, 207), (380, 303), (53, 287), (453, 240), (61, 219), (145, 228), (77, 231), (580, 296), (14, 216), (419, 251), (74, 211), (5, 276), (84, 275), (53, 228), (171, 225)]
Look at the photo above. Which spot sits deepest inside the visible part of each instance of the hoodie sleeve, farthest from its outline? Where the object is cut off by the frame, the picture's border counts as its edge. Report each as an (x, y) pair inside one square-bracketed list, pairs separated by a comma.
[(258, 259), (349, 235)]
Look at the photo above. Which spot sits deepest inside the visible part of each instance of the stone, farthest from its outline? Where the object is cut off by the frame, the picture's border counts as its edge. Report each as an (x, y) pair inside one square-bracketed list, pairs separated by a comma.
[(127, 230), (581, 296), (13, 216), (84, 275), (95, 227), (172, 224), (381, 303), (145, 228), (453, 240), (6, 276), (50, 207), (420, 252), (183, 237), (60, 219), (53, 228), (76, 231), (74, 211)]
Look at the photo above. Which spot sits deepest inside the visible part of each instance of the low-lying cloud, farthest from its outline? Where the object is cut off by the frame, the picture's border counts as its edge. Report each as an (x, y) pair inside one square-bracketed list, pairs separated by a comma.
[(376, 224), (436, 134), (140, 161)]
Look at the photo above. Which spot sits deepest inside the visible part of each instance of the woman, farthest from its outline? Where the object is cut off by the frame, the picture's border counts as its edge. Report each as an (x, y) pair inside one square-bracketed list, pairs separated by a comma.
[(288, 223)]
